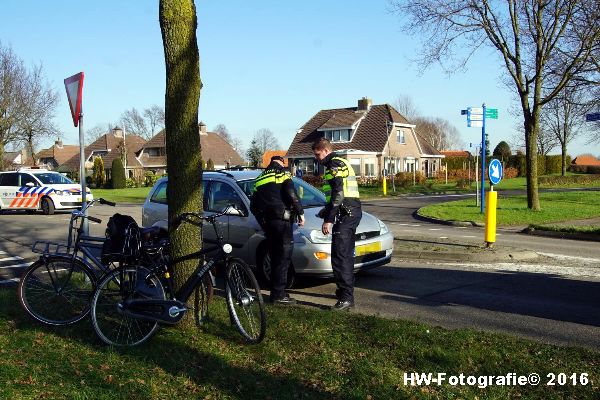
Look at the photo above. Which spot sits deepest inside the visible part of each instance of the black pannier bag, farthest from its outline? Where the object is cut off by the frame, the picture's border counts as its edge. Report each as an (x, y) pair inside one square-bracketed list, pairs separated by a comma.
[(122, 240)]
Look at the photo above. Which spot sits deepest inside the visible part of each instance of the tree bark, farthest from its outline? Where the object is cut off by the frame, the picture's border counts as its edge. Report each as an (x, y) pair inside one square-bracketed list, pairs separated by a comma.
[(563, 155), (531, 127), (178, 23)]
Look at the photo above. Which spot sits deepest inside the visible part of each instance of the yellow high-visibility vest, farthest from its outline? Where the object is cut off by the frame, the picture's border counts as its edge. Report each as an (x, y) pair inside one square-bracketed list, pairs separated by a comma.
[(346, 172)]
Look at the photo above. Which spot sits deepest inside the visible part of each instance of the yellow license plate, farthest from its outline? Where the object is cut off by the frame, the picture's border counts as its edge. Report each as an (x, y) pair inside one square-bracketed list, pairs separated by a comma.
[(367, 248)]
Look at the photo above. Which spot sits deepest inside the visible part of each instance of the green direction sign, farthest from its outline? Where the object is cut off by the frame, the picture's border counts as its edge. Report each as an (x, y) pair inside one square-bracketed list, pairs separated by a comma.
[(491, 113)]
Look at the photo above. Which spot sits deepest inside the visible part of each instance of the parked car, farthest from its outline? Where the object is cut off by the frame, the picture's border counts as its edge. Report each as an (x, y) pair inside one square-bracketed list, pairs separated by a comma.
[(312, 249), (39, 189)]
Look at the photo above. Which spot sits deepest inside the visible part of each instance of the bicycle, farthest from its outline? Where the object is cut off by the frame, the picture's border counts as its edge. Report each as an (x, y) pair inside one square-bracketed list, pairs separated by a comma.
[(131, 302)]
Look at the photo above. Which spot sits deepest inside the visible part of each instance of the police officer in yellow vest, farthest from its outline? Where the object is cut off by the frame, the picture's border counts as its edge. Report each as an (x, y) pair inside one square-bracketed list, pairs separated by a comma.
[(341, 217), (276, 206)]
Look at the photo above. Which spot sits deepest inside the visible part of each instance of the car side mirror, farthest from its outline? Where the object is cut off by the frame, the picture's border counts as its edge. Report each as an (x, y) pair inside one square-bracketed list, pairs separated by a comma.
[(30, 184)]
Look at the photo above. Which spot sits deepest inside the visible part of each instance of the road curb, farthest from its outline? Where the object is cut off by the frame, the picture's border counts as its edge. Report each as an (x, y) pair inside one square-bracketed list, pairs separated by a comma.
[(426, 218), (449, 252), (562, 235)]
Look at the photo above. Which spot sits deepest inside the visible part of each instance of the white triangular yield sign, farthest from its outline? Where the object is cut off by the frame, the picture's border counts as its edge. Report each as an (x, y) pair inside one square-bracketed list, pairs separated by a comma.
[(74, 86)]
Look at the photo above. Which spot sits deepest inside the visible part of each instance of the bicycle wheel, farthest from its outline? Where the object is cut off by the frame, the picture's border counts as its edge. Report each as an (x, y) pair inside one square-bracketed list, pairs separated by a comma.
[(245, 302), (126, 283), (57, 290), (203, 294)]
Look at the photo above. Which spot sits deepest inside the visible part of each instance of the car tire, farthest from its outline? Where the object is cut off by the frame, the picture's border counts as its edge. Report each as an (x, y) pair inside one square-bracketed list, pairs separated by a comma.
[(47, 206), (264, 267)]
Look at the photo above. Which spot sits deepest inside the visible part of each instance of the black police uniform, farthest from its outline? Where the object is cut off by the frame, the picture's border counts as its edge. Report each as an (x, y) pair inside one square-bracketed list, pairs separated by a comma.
[(343, 209), (275, 205)]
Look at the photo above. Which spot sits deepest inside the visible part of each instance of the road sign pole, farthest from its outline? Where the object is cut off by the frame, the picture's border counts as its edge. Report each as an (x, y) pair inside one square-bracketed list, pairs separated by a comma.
[(86, 229), (482, 204)]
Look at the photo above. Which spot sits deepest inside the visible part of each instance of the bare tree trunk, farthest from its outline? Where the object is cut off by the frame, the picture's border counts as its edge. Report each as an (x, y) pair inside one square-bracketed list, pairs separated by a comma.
[(178, 23), (533, 200), (563, 155)]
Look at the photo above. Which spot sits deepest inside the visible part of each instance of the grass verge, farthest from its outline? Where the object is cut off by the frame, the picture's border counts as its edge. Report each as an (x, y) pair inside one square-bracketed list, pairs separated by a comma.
[(556, 207), (308, 354), (127, 195)]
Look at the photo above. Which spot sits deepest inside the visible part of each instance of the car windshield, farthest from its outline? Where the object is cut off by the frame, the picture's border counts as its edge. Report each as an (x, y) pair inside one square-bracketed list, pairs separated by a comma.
[(309, 195), (49, 178)]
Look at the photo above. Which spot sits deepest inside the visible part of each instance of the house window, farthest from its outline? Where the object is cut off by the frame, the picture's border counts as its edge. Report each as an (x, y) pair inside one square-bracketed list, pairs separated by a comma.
[(304, 165), (355, 163), (370, 167), (338, 135), (400, 136), (153, 151)]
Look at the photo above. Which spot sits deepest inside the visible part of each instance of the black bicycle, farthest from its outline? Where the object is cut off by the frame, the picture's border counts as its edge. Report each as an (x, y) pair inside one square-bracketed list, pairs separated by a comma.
[(56, 289), (131, 302)]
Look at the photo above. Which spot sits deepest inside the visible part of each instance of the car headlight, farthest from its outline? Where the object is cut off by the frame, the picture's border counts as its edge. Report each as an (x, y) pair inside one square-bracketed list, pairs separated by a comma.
[(316, 236), (59, 192), (383, 229)]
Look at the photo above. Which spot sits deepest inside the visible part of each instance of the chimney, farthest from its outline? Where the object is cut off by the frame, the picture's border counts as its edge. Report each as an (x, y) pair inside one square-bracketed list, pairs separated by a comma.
[(202, 128), (118, 132), (364, 104), (58, 143)]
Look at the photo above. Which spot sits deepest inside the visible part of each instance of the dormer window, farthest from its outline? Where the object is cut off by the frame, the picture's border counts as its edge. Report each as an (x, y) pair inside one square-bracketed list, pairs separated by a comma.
[(338, 135), (400, 136)]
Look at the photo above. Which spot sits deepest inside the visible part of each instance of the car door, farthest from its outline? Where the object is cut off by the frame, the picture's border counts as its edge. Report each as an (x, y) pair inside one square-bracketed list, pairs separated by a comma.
[(30, 188), (235, 228), (9, 187)]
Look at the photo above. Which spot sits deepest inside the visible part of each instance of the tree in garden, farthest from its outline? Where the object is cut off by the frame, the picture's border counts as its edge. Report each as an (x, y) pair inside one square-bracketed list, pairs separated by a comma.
[(254, 154), (210, 165), (98, 176), (178, 24), (544, 47), (118, 174), (502, 151)]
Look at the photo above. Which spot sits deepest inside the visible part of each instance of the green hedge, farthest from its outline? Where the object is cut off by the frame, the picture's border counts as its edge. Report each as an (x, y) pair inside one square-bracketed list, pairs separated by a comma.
[(118, 174), (546, 165), (558, 180)]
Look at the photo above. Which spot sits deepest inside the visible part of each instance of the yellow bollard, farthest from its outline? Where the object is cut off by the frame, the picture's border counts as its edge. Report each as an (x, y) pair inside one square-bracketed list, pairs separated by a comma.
[(384, 186), (491, 201)]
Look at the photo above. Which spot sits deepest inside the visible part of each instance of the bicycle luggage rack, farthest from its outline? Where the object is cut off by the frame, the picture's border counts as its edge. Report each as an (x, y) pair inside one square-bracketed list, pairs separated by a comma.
[(50, 248)]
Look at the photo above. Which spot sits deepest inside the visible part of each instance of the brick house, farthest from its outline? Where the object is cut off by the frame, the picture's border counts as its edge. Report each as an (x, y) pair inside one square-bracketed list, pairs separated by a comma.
[(371, 137), (153, 154), (55, 156), (109, 147)]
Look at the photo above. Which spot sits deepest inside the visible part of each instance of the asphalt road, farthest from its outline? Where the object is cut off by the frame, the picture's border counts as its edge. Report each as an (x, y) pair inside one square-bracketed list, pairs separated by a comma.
[(552, 299)]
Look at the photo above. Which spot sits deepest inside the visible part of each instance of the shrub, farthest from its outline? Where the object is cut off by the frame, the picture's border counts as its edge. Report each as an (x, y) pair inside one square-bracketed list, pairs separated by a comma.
[(131, 183), (118, 174), (558, 180), (210, 165), (585, 169), (510, 172), (150, 178), (98, 175), (405, 179), (315, 180)]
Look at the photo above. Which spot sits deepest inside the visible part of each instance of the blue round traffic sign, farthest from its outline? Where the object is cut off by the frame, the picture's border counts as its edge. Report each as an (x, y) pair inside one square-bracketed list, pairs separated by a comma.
[(495, 171)]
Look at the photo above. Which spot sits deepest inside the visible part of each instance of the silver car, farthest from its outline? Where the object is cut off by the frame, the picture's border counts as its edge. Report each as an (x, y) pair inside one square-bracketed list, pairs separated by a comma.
[(312, 249)]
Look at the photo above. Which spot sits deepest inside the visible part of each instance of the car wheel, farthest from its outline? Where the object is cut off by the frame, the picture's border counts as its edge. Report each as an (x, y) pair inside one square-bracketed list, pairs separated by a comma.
[(265, 270), (47, 206)]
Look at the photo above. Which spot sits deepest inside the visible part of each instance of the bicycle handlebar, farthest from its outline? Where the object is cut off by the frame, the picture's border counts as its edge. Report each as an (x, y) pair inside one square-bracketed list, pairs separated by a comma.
[(94, 219), (185, 217), (108, 203)]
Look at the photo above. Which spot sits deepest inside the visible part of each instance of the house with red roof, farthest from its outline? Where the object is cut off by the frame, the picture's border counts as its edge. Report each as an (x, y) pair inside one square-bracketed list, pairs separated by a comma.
[(585, 159), (110, 146), (371, 137), (153, 154)]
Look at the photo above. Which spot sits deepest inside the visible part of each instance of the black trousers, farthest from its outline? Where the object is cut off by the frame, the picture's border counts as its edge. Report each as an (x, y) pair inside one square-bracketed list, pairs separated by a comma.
[(342, 254), (280, 246)]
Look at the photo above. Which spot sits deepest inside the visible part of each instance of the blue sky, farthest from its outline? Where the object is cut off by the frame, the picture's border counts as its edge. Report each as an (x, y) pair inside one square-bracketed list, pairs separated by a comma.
[(264, 64)]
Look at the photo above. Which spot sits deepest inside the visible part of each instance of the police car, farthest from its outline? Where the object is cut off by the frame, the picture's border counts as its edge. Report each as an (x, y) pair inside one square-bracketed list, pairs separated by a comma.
[(39, 189)]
